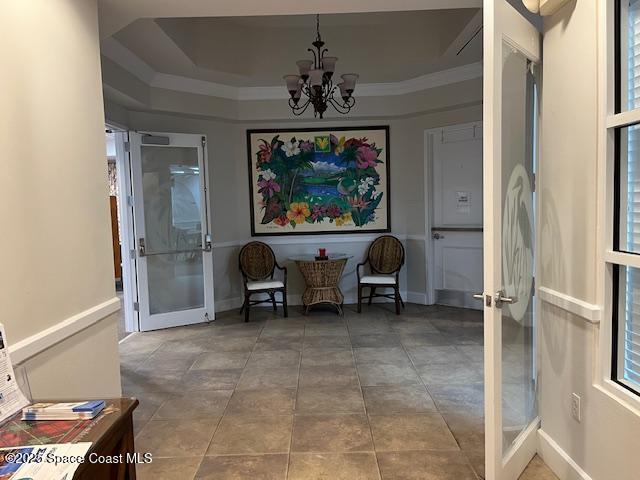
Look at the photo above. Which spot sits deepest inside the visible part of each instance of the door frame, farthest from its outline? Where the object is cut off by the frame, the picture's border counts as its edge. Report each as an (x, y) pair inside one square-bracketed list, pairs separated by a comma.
[(127, 233), (429, 201), (515, 460)]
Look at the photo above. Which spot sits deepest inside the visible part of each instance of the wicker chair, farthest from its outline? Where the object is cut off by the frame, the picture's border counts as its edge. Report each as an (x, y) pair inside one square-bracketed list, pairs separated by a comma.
[(257, 265), (385, 258)]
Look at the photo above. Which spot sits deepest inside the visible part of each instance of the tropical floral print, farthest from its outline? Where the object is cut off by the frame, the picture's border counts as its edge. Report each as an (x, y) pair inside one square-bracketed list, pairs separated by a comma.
[(321, 179)]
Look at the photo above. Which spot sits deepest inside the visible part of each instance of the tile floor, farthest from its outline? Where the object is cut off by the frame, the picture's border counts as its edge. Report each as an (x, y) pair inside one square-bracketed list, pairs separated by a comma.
[(370, 396)]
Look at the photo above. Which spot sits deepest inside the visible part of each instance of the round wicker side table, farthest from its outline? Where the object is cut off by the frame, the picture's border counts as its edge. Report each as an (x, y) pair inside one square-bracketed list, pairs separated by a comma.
[(322, 278)]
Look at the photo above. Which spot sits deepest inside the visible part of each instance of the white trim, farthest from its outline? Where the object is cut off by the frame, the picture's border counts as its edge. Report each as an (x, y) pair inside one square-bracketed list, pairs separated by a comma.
[(558, 460), (622, 258), (127, 234), (123, 339), (313, 240), (424, 82), (118, 53), (431, 80), (522, 450), (416, 238), (622, 396), (588, 311), (623, 119), (128, 60), (37, 343), (198, 87), (417, 297), (549, 7)]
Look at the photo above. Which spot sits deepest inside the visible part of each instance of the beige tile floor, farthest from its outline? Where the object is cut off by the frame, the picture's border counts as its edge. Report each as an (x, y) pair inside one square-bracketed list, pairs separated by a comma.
[(370, 396)]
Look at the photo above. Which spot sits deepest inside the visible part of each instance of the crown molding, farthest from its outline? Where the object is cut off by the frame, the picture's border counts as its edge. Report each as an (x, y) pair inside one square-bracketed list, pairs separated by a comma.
[(126, 59), (118, 53)]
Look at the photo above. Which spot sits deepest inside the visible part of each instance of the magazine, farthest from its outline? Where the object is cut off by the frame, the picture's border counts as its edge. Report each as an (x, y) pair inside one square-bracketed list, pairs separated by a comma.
[(12, 400), (42, 462)]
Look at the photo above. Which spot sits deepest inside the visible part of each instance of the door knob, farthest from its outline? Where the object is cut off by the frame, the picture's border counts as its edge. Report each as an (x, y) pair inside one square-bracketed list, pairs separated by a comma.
[(437, 236)]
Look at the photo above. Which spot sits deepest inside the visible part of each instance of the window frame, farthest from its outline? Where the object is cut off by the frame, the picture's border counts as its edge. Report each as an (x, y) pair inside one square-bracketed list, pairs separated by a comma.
[(611, 120)]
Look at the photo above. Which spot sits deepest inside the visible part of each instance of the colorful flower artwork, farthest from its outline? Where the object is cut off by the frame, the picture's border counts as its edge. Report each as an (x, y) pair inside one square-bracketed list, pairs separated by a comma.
[(310, 181)]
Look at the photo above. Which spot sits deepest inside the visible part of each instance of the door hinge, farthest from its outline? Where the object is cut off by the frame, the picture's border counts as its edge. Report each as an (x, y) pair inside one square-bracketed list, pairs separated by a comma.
[(130, 200), (132, 254), (127, 146), (136, 306), (204, 141)]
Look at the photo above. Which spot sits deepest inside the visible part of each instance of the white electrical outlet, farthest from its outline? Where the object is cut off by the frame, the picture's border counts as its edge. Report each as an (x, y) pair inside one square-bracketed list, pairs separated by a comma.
[(575, 407)]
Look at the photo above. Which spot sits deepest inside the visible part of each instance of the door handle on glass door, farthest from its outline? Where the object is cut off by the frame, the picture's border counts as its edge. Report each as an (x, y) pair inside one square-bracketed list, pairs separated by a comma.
[(481, 296), (208, 244), (500, 299)]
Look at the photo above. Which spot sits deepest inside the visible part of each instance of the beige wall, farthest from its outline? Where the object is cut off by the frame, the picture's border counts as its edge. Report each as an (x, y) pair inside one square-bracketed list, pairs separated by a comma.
[(229, 189), (606, 442), (56, 251)]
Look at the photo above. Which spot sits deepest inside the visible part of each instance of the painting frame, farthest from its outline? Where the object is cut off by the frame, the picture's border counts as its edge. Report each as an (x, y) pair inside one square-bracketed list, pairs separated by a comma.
[(253, 187)]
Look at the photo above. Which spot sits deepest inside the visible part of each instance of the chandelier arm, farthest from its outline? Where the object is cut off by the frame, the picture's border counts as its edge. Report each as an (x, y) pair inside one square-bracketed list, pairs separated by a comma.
[(339, 108), (315, 57), (299, 110)]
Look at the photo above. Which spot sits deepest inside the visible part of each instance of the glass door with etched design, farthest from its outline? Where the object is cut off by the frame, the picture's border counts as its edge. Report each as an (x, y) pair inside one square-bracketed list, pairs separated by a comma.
[(511, 97)]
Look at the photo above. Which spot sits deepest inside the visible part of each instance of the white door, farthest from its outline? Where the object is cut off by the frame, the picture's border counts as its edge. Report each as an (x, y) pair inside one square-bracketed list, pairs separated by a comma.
[(455, 161), (512, 59), (171, 223)]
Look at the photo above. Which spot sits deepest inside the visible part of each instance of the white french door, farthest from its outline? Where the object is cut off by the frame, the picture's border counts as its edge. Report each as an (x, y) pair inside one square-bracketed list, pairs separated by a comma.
[(512, 59), (172, 229)]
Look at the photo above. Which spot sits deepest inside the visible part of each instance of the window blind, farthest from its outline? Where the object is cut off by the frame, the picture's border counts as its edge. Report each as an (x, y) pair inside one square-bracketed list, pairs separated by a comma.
[(632, 298)]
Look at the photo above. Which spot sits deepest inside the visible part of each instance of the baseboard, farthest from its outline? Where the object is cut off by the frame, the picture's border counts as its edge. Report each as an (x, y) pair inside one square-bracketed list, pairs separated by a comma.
[(558, 460), (417, 297), (457, 298), (296, 299), (33, 345)]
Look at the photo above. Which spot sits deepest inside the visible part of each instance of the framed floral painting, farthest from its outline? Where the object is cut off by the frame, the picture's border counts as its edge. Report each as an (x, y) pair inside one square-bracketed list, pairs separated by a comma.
[(310, 181)]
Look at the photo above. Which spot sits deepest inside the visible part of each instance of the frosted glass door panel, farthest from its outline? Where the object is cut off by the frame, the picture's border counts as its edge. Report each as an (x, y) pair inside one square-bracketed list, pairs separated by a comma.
[(519, 405), (172, 218)]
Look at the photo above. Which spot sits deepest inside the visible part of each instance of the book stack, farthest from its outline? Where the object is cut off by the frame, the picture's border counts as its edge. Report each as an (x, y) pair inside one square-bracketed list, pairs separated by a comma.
[(63, 411)]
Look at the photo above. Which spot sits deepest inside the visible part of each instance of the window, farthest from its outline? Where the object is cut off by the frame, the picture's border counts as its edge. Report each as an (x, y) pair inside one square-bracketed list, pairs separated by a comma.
[(624, 257)]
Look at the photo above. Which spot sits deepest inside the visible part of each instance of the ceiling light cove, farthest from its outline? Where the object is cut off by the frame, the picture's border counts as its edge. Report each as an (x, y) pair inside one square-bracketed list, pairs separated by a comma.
[(315, 83)]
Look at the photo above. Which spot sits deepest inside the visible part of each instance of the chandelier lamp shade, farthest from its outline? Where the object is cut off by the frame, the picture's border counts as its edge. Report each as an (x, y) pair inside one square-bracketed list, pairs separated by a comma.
[(314, 84)]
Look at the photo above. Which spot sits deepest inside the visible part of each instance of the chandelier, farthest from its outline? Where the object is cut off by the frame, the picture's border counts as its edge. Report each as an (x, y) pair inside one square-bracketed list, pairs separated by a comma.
[(315, 83)]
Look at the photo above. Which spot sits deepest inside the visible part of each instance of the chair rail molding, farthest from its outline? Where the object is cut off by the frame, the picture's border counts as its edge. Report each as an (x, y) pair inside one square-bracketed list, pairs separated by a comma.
[(314, 239), (590, 312), (39, 342)]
